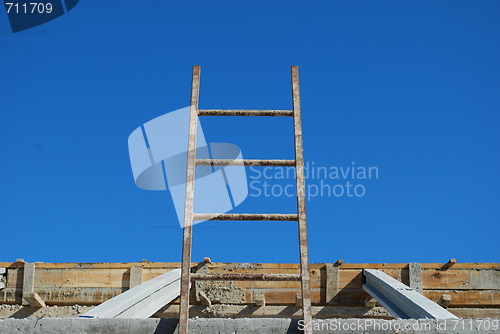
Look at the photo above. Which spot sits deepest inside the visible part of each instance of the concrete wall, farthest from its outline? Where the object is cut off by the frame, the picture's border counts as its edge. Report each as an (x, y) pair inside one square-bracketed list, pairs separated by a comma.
[(243, 326)]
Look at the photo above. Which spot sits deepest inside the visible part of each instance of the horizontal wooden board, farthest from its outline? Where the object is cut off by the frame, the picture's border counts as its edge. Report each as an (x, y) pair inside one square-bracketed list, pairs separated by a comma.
[(93, 283), (464, 298), (484, 279), (346, 297), (127, 265)]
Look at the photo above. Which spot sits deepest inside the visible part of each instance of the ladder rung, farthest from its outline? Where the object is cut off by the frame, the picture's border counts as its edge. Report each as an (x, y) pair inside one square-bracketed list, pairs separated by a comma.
[(246, 277), (243, 162), (242, 112), (246, 216)]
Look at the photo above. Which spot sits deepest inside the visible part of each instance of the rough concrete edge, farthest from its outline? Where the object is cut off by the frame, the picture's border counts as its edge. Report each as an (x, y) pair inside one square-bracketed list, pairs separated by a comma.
[(244, 325)]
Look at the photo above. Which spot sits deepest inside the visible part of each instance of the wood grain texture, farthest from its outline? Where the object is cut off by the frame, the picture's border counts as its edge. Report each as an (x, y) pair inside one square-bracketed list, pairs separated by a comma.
[(91, 284)]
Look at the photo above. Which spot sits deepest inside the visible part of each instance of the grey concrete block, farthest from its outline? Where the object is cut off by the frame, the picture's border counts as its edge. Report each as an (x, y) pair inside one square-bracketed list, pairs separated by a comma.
[(246, 326), (100, 326), (5, 326), (51, 325), (21, 325), (144, 326)]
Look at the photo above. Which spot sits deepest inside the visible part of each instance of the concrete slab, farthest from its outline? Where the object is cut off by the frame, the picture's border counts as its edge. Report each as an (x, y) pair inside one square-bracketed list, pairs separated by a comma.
[(247, 326), (41, 326), (99, 326), (142, 301)]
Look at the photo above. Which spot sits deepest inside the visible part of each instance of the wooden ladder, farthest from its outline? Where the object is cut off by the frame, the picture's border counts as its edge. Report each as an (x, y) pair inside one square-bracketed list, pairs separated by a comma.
[(190, 216)]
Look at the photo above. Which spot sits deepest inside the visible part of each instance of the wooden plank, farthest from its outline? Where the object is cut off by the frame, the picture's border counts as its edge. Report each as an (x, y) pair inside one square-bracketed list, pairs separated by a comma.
[(353, 278), (86, 285), (432, 279), (332, 282), (72, 277), (476, 313), (28, 282), (173, 265), (3, 279), (63, 296), (83, 278), (484, 279), (301, 203), (114, 277), (464, 298), (382, 266), (399, 300), (415, 276), (34, 300), (346, 297), (135, 276), (29, 297), (242, 112), (189, 204), (141, 301)]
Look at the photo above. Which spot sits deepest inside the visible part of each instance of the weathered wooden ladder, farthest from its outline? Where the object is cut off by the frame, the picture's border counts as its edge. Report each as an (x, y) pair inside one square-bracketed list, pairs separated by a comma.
[(190, 216)]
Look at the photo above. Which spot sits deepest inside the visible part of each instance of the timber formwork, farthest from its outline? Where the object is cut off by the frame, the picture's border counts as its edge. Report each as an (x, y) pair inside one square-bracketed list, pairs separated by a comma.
[(468, 290)]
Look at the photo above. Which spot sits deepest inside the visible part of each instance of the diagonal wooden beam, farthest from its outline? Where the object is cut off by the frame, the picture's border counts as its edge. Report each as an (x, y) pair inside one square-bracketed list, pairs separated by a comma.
[(400, 300)]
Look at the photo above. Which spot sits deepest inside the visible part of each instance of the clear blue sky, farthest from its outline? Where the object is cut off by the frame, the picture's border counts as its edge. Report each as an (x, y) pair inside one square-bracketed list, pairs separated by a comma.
[(409, 87)]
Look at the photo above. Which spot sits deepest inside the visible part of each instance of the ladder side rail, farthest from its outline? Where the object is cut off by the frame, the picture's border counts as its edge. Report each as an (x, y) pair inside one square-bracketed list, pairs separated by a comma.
[(301, 204), (189, 203)]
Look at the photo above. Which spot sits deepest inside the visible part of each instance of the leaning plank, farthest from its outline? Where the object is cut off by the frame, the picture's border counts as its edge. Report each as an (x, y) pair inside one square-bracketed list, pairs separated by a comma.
[(35, 300), (142, 301), (400, 300)]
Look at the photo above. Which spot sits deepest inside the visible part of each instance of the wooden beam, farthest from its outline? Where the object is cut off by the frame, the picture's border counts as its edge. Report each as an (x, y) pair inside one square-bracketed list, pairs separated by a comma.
[(301, 203), (30, 297), (135, 276), (141, 301), (260, 300), (3, 274), (415, 273), (173, 265), (28, 281), (399, 300), (34, 300), (332, 282), (87, 284), (189, 204), (241, 112)]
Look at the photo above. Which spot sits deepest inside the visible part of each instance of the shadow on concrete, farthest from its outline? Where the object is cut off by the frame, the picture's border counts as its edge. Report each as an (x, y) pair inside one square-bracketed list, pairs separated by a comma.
[(166, 326), (25, 312), (294, 327)]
